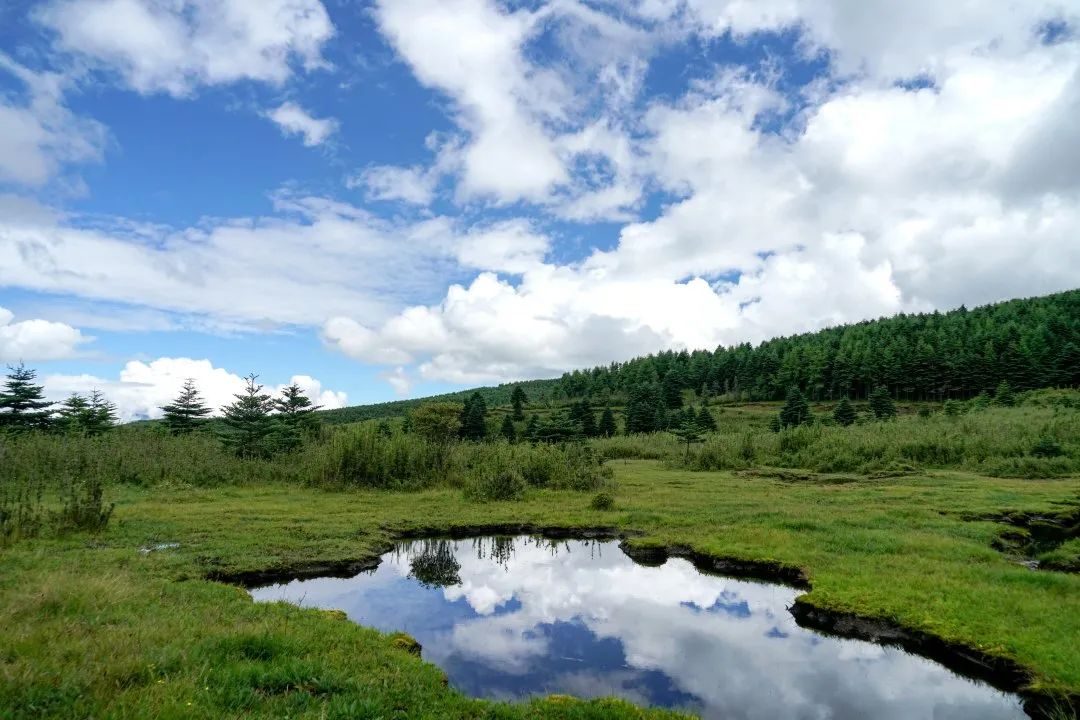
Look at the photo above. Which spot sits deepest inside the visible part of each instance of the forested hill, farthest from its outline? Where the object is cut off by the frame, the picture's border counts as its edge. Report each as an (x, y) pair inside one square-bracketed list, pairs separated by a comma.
[(1029, 343)]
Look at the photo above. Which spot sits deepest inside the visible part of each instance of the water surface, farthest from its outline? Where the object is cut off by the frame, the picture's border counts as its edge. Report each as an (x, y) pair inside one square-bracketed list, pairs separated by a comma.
[(511, 617)]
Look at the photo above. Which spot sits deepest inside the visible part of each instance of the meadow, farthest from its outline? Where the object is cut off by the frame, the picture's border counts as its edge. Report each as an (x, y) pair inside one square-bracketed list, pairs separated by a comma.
[(919, 522)]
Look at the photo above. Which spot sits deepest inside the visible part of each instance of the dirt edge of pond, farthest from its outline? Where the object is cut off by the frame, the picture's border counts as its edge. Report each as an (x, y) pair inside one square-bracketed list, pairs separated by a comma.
[(1002, 673)]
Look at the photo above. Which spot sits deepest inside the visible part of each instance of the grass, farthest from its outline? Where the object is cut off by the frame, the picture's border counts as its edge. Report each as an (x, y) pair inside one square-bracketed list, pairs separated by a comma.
[(95, 628)]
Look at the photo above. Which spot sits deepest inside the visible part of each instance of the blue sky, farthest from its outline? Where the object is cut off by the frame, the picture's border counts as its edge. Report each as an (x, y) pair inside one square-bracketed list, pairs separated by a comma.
[(397, 198)]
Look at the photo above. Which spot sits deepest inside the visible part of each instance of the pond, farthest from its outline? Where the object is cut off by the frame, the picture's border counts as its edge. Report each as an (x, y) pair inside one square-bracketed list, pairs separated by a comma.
[(510, 617)]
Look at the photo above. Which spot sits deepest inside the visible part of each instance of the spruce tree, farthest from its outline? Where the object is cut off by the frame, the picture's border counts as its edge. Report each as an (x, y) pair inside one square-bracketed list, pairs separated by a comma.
[(247, 421), (474, 418), (607, 426), (689, 433), (508, 430), (1003, 395), (72, 415), (705, 420), (101, 416), (295, 418), (518, 400), (187, 412), (532, 428), (23, 406), (881, 404), (796, 410), (587, 419), (844, 414)]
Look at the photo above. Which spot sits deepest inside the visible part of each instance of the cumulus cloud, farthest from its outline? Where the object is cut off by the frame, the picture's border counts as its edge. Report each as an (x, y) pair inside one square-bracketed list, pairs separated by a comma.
[(173, 47), (35, 340), (294, 120), (38, 134), (143, 387), (880, 197), (313, 259)]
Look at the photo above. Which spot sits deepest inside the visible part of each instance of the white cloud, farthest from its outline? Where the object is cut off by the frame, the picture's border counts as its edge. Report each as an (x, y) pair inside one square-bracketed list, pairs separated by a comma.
[(313, 259), (173, 46), (143, 387), (36, 340), (294, 120), (399, 379), (880, 198), (38, 134), (415, 185)]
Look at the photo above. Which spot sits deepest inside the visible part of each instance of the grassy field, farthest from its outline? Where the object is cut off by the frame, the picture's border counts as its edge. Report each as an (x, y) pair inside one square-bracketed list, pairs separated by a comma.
[(94, 628)]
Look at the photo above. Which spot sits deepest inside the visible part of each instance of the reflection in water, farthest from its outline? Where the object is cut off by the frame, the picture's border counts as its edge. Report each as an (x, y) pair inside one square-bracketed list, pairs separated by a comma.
[(511, 617)]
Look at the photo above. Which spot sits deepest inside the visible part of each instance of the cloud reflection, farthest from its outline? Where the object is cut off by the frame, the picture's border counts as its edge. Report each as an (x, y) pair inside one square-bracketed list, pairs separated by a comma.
[(530, 616)]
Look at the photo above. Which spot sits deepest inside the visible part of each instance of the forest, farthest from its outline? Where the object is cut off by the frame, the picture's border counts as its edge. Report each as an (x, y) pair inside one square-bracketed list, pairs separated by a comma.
[(1029, 343)]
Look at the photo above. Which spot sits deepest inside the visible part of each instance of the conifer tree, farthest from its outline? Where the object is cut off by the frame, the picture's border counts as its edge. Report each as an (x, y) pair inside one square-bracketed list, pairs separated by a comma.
[(532, 428), (705, 420), (844, 413), (23, 406), (295, 418), (247, 421), (101, 415), (71, 417), (474, 418), (689, 433), (187, 412), (881, 404), (607, 426), (508, 430), (796, 410), (518, 400), (1003, 395), (588, 419)]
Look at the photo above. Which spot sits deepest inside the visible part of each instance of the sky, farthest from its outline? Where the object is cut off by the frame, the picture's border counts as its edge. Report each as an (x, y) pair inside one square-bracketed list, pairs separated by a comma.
[(402, 197)]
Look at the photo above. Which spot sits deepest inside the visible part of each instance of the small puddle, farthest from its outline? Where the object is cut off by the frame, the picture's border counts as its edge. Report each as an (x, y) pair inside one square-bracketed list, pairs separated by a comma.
[(510, 617)]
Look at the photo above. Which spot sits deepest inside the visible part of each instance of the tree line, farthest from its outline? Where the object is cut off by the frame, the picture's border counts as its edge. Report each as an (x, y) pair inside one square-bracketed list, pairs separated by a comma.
[(255, 424), (1031, 343)]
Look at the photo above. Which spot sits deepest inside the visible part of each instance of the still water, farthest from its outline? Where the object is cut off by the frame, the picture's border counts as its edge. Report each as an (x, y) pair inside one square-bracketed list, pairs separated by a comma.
[(511, 617)]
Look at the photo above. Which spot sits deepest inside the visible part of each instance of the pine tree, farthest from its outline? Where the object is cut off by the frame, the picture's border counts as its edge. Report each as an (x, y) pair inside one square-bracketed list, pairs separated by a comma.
[(705, 420), (532, 428), (508, 430), (671, 389), (796, 410), (607, 426), (101, 415), (588, 419), (247, 421), (187, 412), (23, 406), (844, 414), (689, 433), (72, 415), (518, 400), (1003, 395), (295, 418), (881, 404), (474, 418)]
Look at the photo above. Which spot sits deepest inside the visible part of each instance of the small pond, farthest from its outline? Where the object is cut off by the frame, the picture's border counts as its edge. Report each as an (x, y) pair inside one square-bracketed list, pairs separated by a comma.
[(509, 617)]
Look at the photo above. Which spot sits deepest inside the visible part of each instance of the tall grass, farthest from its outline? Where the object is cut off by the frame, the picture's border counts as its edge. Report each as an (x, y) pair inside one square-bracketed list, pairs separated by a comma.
[(1001, 442)]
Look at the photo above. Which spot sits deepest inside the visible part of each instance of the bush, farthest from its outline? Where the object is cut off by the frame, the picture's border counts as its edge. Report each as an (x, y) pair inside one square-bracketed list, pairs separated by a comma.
[(1047, 447), (485, 485), (83, 507), (602, 501)]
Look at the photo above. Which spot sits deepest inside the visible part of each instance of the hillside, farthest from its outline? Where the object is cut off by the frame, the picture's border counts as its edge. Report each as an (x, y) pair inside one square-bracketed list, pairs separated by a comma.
[(1029, 343)]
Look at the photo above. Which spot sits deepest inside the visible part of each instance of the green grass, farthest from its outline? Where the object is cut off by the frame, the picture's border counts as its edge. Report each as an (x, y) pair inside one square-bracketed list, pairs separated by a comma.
[(94, 628)]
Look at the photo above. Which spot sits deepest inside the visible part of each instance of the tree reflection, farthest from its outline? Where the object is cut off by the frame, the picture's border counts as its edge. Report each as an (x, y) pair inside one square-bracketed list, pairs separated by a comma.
[(434, 565)]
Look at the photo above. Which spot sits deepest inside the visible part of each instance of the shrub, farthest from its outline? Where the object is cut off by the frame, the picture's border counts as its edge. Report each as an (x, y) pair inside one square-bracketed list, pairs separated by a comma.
[(485, 485), (83, 506), (1047, 447), (602, 501)]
